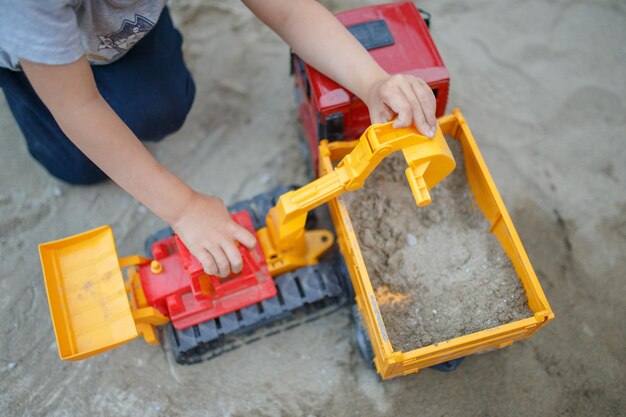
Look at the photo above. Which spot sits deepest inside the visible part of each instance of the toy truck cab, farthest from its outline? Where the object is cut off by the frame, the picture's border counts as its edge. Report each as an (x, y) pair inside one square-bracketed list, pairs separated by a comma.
[(397, 37)]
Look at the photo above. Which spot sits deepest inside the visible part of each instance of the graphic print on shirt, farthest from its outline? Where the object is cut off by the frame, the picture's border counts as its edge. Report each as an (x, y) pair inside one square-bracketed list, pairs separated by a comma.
[(129, 34)]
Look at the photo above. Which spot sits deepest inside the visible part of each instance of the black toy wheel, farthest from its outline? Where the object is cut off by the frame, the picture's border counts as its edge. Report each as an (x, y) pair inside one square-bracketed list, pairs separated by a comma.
[(335, 258), (448, 366), (362, 338)]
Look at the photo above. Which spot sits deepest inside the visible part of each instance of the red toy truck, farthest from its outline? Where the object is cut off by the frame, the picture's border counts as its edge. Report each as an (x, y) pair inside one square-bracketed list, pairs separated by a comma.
[(397, 36)]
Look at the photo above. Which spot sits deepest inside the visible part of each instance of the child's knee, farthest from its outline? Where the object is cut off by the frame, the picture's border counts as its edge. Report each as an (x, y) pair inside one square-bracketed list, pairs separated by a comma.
[(76, 171), (183, 105), (160, 117), (174, 111), (83, 176)]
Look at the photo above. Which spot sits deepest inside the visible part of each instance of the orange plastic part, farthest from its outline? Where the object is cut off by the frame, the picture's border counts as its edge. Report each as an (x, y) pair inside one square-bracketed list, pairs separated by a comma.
[(285, 242), (391, 363), (146, 317)]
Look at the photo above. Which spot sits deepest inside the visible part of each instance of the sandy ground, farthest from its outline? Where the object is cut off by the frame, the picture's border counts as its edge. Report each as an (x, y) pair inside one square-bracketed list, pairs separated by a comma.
[(436, 272), (542, 85)]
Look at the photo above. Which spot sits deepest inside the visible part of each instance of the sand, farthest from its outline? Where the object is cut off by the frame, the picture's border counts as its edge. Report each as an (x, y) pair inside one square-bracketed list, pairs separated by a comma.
[(437, 272), (542, 87)]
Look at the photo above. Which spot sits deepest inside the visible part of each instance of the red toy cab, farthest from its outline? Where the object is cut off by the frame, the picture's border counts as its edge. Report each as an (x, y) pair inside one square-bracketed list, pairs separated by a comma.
[(397, 37)]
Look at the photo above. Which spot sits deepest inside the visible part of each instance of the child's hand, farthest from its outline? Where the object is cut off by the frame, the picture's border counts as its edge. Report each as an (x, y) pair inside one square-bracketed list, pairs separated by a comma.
[(407, 96), (209, 232)]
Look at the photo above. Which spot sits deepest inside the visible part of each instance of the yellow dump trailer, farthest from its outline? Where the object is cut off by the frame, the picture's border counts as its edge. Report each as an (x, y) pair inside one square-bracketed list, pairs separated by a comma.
[(390, 362)]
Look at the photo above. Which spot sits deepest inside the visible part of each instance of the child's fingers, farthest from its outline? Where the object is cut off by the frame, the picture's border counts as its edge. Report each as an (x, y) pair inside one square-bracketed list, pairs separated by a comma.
[(245, 237), (234, 257), (223, 266), (388, 114), (399, 104), (419, 120), (377, 116), (392, 97), (381, 114), (427, 100), (207, 262)]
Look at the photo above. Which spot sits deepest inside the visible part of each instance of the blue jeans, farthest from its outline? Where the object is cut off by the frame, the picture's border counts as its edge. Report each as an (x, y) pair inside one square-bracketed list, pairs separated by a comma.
[(149, 88)]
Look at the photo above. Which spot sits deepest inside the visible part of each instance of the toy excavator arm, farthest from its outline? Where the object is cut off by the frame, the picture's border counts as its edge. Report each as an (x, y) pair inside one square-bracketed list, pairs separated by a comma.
[(428, 160)]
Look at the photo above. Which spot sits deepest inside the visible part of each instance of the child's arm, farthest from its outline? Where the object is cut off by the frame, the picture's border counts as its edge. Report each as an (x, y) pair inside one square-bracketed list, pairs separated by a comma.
[(203, 223), (318, 37)]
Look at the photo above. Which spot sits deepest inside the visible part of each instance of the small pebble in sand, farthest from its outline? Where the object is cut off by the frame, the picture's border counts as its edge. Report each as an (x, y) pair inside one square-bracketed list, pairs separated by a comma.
[(142, 209), (11, 365), (434, 311), (411, 239), (56, 191), (587, 330)]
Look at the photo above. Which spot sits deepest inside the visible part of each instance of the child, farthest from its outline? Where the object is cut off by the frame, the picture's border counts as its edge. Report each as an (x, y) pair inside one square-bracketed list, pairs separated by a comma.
[(88, 81)]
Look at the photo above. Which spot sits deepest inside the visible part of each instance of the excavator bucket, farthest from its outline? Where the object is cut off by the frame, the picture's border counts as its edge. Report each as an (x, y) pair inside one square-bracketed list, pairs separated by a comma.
[(88, 302)]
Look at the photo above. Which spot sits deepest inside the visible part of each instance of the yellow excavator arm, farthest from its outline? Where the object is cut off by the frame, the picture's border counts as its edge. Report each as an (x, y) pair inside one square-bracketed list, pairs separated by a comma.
[(285, 242)]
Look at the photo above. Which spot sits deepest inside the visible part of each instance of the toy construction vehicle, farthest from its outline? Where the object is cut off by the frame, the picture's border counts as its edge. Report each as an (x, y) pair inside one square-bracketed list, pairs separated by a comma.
[(295, 273), (93, 309)]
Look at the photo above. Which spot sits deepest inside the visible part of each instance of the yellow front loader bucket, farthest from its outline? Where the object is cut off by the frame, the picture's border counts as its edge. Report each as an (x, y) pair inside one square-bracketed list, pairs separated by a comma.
[(89, 306)]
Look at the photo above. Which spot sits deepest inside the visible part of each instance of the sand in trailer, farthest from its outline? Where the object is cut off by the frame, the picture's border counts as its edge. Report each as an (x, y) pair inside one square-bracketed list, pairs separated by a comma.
[(436, 271)]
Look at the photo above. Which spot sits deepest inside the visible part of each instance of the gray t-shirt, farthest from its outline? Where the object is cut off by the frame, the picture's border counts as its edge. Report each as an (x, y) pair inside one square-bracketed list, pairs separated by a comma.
[(59, 32)]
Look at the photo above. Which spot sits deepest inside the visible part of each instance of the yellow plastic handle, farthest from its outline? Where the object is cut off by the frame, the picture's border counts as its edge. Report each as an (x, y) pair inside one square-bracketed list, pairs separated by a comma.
[(418, 188)]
